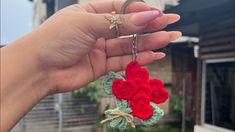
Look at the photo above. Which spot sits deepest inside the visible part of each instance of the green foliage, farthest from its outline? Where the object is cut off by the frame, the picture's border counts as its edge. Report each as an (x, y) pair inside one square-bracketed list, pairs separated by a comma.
[(154, 129), (108, 82), (176, 101), (92, 90), (120, 121)]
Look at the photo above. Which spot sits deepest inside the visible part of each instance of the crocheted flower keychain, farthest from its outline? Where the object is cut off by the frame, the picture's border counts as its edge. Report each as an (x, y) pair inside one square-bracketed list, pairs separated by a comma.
[(136, 95)]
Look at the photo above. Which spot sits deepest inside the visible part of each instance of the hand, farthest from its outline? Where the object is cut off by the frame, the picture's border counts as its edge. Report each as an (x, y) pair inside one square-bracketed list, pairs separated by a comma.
[(77, 46), (73, 48)]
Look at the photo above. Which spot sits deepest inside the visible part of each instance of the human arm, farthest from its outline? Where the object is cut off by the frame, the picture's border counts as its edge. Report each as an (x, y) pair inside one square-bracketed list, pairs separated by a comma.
[(62, 53)]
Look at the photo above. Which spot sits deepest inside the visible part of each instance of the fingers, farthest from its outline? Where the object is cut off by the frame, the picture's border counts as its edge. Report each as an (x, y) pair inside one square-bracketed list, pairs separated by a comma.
[(161, 22), (123, 46), (144, 58), (129, 27), (114, 5), (131, 23)]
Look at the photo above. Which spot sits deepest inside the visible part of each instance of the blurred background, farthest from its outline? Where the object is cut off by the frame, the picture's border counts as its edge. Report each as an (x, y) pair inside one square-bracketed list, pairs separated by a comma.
[(198, 72)]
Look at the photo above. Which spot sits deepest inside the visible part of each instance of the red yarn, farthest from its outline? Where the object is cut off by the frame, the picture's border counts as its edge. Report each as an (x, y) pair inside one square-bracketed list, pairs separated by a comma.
[(140, 90), (124, 89), (144, 88), (135, 71), (156, 84), (159, 96), (138, 81), (141, 107), (132, 65), (129, 90), (116, 88)]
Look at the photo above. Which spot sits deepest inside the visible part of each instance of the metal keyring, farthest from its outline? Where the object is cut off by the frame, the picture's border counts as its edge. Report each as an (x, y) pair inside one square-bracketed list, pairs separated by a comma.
[(134, 41), (123, 8)]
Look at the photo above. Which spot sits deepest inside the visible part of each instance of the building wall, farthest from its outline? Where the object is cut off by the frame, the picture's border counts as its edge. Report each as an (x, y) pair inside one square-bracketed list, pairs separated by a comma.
[(216, 42), (203, 129), (39, 12)]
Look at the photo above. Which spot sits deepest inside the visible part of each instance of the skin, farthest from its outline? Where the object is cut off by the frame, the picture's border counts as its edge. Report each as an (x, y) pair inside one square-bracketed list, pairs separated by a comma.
[(74, 47)]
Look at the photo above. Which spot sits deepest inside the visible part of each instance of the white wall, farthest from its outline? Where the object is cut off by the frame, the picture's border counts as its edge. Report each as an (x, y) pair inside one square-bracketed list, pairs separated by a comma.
[(202, 129), (210, 128)]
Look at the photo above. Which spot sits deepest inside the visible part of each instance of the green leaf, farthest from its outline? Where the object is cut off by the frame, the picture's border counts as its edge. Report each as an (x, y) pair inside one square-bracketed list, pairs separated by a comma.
[(119, 122), (123, 106), (115, 122), (108, 82), (123, 125), (158, 113)]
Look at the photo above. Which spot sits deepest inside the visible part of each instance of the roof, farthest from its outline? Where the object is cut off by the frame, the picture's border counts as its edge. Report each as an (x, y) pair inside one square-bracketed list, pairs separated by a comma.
[(193, 12)]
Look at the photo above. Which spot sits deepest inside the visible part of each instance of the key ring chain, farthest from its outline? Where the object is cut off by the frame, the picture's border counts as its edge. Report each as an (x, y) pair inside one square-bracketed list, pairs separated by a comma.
[(136, 94), (134, 36)]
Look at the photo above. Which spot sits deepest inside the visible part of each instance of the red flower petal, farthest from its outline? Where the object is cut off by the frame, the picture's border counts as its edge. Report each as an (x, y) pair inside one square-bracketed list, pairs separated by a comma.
[(116, 88), (132, 65), (129, 90), (145, 89), (138, 81), (156, 84), (159, 96), (124, 89), (131, 68), (138, 72), (141, 107)]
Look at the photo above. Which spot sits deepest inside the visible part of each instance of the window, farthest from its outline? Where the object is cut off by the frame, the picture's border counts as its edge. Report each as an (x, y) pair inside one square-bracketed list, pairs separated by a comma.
[(218, 94)]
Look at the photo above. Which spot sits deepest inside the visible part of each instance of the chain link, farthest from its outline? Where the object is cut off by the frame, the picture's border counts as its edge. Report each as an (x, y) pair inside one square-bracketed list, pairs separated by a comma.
[(134, 41), (134, 47)]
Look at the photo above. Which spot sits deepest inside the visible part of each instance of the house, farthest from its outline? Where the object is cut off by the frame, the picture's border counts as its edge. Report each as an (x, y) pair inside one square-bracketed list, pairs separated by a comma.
[(213, 22)]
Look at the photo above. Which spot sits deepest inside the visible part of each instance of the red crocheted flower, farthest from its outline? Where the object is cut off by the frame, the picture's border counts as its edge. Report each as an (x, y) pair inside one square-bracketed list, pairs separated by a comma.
[(156, 84), (135, 71), (141, 107), (139, 90), (124, 89), (159, 96), (116, 88)]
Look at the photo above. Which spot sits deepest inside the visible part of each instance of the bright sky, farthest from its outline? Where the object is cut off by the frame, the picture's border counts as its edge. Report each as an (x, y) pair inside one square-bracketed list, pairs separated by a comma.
[(16, 19)]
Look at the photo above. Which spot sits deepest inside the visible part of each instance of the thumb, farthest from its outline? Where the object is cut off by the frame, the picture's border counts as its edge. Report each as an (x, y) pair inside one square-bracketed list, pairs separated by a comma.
[(132, 23)]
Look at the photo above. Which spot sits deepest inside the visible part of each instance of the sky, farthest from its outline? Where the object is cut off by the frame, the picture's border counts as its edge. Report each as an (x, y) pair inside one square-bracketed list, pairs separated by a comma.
[(16, 19)]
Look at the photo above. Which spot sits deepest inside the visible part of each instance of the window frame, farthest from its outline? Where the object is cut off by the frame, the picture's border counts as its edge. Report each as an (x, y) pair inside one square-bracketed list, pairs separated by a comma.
[(204, 64)]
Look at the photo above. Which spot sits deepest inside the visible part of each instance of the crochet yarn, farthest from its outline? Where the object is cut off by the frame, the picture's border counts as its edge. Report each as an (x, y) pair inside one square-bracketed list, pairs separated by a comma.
[(137, 96)]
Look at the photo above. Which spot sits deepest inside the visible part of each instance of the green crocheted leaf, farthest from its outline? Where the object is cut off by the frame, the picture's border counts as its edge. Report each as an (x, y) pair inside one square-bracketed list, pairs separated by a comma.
[(123, 125), (119, 122), (123, 106), (109, 112), (108, 82), (115, 122), (158, 113)]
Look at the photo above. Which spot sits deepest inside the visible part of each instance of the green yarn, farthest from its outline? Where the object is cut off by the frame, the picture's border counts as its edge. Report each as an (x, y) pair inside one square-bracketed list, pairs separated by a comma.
[(108, 82), (123, 106), (119, 122), (115, 122), (158, 113), (123, 125)]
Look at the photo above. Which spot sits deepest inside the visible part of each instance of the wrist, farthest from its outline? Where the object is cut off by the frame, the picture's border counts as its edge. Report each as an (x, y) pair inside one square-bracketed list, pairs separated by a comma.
[(23, 82)]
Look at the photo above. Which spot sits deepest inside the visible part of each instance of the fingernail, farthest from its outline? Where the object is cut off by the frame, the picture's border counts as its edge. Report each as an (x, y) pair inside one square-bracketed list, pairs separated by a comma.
[(142, 18), (172, 18), (154, 8), (174, 35), (159, 55)]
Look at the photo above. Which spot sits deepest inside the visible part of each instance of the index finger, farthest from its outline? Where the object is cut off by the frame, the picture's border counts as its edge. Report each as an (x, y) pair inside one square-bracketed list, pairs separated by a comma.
[(107, 6)]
